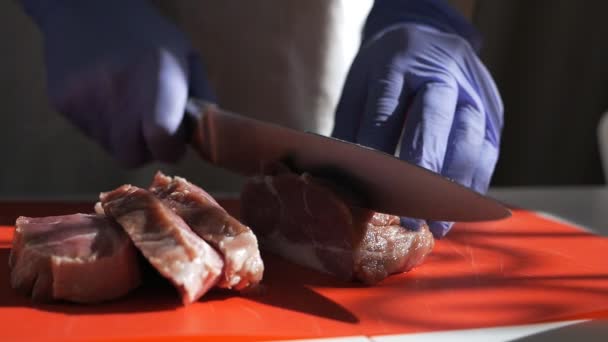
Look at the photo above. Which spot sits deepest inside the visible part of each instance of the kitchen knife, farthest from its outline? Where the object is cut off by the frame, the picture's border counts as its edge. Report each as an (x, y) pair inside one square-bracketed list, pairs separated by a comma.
[(386, 184)]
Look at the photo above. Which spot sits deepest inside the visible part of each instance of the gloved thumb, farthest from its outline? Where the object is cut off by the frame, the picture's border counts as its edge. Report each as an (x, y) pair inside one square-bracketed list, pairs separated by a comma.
[(161, 131), (166, 136), (198, 89)]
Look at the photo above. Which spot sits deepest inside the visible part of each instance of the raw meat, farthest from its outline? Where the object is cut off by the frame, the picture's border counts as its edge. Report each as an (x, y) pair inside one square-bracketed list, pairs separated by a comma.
[(310, 223), (243, 265), (80, 258), (165, 240)]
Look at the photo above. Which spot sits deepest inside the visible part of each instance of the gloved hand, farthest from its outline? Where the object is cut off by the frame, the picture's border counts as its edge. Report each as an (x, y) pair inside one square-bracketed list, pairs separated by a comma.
[(411, 76), (121, 73)]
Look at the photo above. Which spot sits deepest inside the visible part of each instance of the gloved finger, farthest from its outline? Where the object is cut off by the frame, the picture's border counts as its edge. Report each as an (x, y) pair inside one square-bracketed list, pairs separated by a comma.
[(428, 125), (382, 121), (492, 102), (494, 111), (88, 100), (84, 101), (198, 84), (127, 144), (462, 155), (350, 107), (464, 144), (161, 125), (410, 223), (427, 129), (131, 95), (485, 167), (440, 228)]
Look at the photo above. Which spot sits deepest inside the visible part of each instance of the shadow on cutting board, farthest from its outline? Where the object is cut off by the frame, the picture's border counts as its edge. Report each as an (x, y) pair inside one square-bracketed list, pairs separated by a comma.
[(292, 287), (156, 294)]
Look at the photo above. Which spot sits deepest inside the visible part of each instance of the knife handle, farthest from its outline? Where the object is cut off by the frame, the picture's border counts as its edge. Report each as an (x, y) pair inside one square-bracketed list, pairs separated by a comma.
[(195, 126), (192, 114)]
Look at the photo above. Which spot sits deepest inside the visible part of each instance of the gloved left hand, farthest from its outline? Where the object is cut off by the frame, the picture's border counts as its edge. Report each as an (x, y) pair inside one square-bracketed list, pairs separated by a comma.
[(121, 73), (428, 87)]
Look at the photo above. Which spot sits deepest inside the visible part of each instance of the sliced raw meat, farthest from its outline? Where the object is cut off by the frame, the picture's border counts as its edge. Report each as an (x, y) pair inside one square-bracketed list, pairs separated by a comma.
[(80, 258), (308, 222), (243, 264), (388, 248), (165, 240)]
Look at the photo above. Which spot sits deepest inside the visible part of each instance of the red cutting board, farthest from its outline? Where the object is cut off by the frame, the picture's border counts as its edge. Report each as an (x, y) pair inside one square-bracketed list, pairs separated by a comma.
[(522, 270)]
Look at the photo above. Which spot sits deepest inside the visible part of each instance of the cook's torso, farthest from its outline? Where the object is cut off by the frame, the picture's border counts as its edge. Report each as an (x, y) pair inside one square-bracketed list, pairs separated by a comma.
[(278, 60)]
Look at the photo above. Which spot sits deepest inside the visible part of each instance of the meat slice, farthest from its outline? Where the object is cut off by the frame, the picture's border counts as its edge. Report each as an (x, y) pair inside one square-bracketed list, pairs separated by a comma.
[(80, 258), (309, 222), (165, 240), (243, 264), (387, 248)]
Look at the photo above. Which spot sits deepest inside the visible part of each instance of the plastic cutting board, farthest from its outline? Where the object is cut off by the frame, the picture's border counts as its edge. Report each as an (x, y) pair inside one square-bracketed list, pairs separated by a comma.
[(521, 270)]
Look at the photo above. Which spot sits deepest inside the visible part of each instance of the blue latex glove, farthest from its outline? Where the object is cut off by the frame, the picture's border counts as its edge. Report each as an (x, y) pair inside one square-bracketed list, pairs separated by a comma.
[(121, 73), (417, 68)]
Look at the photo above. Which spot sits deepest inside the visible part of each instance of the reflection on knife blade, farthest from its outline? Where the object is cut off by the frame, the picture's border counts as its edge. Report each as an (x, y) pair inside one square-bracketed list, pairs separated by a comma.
[(390, 185)]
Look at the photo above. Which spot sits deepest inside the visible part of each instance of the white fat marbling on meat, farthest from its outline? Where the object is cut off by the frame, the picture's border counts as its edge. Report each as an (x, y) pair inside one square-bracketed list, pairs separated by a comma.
[(305, 200), (257, 179), (269, 181), (244, 255), (270, 185), (302, 254)]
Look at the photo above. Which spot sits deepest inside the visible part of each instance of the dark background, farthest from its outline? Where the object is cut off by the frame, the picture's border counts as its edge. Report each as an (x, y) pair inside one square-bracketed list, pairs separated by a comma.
[(549, 59)]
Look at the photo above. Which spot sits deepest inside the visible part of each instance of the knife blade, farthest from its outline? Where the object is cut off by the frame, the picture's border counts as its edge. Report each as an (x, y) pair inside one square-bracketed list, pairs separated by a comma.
[(387, 184)]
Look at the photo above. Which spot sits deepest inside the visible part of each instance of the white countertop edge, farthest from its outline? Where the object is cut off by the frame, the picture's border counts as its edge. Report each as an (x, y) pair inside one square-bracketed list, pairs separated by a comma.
[(562, 220), (505, 333), (331, 339)]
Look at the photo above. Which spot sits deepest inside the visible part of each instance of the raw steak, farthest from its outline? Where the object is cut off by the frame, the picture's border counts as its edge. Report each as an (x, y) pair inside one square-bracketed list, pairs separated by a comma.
[(310, 223), (243, 265), (80, 258), (165, 240)]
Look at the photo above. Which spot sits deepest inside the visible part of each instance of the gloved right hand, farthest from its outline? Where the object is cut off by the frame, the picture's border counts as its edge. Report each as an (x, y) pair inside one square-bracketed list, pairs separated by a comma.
[(121, 73), (417, 87)]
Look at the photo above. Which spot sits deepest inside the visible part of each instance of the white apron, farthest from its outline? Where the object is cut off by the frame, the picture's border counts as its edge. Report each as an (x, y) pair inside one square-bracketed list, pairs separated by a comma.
[(277, 60)]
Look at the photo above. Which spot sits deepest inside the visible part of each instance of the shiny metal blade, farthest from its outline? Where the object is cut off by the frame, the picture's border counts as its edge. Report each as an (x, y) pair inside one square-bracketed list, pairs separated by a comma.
[(386, 184)]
